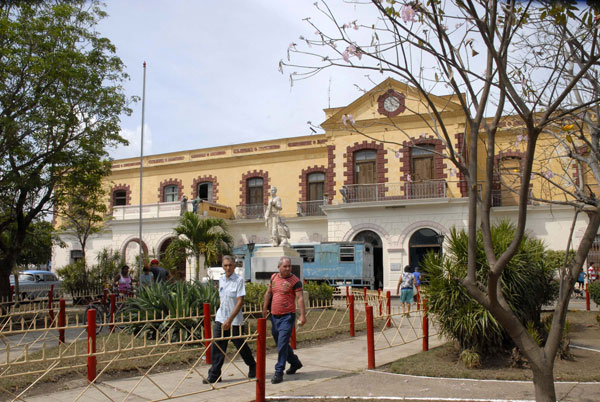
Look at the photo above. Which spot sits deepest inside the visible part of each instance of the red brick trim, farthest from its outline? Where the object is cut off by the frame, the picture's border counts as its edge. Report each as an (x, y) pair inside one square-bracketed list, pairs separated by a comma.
[(330, 174), (169, 182), (205, 179), (299, 143), (118, 187), (439, 167), (250, 175), (380, 162)]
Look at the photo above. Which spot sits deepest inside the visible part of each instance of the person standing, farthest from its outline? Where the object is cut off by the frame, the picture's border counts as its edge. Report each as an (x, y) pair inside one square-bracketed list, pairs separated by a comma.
[(285, 289), (160, 274), (123, 281), (405, 284), (146, 277), (592, 273), (229, 321)]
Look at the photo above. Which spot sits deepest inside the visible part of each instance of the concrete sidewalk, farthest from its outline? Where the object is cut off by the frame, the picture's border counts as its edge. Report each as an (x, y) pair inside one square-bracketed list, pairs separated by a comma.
[(330, 369)]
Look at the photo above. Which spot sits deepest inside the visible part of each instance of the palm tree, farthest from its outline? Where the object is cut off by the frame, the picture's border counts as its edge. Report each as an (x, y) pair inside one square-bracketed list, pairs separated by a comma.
[(196, 236)]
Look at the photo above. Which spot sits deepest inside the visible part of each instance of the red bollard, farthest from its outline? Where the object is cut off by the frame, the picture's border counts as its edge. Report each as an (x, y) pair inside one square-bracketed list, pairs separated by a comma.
[(293, 337), (587, 298), (388, 300), (91, 332), (113, 308), (365, 294), (418, 299), (261, 355), (379, 298), (370, 338), (50, 302), (425, 327), (351, 313), (207, 331), (62, 321)]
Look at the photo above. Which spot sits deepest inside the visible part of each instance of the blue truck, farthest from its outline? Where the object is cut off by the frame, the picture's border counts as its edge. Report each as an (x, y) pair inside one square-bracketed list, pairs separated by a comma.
[(337, 263)]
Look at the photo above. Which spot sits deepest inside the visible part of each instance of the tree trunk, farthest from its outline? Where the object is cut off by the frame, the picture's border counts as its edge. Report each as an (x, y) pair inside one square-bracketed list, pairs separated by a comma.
[(543, 382), (197, 268)]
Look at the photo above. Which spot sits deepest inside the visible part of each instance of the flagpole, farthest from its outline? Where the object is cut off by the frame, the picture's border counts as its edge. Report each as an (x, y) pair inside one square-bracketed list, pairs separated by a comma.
[(141, 258)]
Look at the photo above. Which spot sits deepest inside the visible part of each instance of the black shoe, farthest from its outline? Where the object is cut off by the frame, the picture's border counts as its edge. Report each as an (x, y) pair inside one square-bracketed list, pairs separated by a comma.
[(211, 380), (252, 372), (277, 378), (293, 368)]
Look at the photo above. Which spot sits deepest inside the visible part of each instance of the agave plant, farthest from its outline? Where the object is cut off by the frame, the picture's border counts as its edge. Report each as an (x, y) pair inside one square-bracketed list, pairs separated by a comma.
[(527, 285), (170, 309)]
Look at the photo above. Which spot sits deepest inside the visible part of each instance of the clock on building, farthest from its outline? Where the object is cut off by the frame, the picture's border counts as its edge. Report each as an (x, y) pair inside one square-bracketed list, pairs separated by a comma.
[(391, 103)]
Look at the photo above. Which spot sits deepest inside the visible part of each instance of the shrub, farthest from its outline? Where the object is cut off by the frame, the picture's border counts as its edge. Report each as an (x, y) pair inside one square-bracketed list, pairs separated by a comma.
[(74, 277), (171, 300), (319, 292), (594, 289), (255, 293), (527, 285), (470, 359)]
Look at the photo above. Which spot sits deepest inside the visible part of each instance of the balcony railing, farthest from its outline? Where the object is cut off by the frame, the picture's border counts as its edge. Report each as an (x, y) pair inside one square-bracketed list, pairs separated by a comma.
[(250, 211), (158, 210), (311, 208), (394, 191), (507, 198)]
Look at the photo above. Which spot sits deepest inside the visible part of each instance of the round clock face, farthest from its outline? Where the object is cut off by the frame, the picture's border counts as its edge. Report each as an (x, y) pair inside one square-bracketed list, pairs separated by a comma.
[(391, 103)]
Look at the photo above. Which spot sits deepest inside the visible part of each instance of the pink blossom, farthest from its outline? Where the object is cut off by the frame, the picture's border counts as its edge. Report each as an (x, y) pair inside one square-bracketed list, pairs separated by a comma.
[(408, 14), (346, 56), (351, 119), (355, 26), (548, 174), (292, 46), (398, 154), (408, 178), (344, 119)]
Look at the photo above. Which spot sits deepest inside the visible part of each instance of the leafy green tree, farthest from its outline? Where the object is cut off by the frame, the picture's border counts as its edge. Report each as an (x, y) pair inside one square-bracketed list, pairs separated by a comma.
[(200, 237), (61, 98), (83, 204), (527, 284)]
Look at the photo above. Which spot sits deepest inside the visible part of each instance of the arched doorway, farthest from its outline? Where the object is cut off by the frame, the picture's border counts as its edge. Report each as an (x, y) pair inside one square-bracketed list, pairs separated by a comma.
[(131, 252), (371, 238), (180, 269), (420, 243)]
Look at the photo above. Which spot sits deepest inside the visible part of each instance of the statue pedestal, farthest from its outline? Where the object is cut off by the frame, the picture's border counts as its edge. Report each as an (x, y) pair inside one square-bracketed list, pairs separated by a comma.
[(264, 263)]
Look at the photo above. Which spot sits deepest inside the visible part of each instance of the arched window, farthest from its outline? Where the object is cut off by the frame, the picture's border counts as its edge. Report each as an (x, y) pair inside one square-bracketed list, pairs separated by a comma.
[(205, 191), (170, 193), (254, 193), (120, 197), (421, 160), (510, 181), (316, 186), (365, 171)]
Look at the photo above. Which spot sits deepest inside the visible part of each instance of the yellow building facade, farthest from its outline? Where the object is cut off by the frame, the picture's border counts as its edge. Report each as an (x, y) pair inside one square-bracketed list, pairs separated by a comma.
[(376, 175)]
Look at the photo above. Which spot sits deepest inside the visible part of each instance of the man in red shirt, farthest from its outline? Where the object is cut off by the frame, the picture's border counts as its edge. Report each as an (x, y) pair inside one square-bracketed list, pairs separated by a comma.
[(284, 290)]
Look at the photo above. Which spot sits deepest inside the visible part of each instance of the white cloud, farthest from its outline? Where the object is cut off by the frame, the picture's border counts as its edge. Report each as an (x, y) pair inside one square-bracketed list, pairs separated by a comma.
[(133, 149)]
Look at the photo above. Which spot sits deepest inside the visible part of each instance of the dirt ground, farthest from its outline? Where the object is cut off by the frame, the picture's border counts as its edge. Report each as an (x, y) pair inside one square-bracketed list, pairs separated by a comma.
[(581, 365)]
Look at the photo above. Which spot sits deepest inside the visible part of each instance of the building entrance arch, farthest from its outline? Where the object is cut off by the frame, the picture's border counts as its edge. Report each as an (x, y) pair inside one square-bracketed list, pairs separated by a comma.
[(420, 243), (130, 251), (373, 240)]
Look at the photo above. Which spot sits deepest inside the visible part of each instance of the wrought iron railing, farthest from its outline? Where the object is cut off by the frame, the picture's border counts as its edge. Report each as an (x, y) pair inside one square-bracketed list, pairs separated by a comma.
[(394, 191), (311, 208), (250, 211)]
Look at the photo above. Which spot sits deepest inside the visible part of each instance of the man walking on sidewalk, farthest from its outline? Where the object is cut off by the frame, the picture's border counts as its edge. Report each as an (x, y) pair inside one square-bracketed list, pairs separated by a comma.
[(229, 321), (284, 290)]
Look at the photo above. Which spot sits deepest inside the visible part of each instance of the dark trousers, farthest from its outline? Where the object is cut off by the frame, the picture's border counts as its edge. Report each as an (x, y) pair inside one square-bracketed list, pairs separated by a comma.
[(281, 329), (219, 347)]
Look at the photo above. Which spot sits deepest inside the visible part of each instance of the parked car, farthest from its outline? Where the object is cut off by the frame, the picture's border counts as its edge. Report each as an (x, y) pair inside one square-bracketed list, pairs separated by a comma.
[(34, 283)]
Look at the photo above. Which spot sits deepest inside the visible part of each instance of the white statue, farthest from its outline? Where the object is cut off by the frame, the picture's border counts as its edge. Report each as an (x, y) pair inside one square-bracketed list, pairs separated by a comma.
[(279, 231)]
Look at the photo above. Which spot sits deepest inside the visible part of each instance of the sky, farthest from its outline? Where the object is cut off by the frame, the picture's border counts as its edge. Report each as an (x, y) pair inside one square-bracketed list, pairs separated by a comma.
[(212, 74)]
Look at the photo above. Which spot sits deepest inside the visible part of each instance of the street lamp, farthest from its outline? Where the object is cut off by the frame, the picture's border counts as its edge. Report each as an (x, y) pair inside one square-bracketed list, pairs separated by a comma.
[(440, 239)]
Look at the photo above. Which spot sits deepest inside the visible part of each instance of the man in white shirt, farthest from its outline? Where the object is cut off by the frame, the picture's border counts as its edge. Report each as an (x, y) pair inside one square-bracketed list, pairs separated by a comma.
[(229, 321)]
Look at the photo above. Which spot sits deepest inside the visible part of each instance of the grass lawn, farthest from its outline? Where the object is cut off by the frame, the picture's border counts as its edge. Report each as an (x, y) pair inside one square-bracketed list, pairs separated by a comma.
[(583, 365)]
